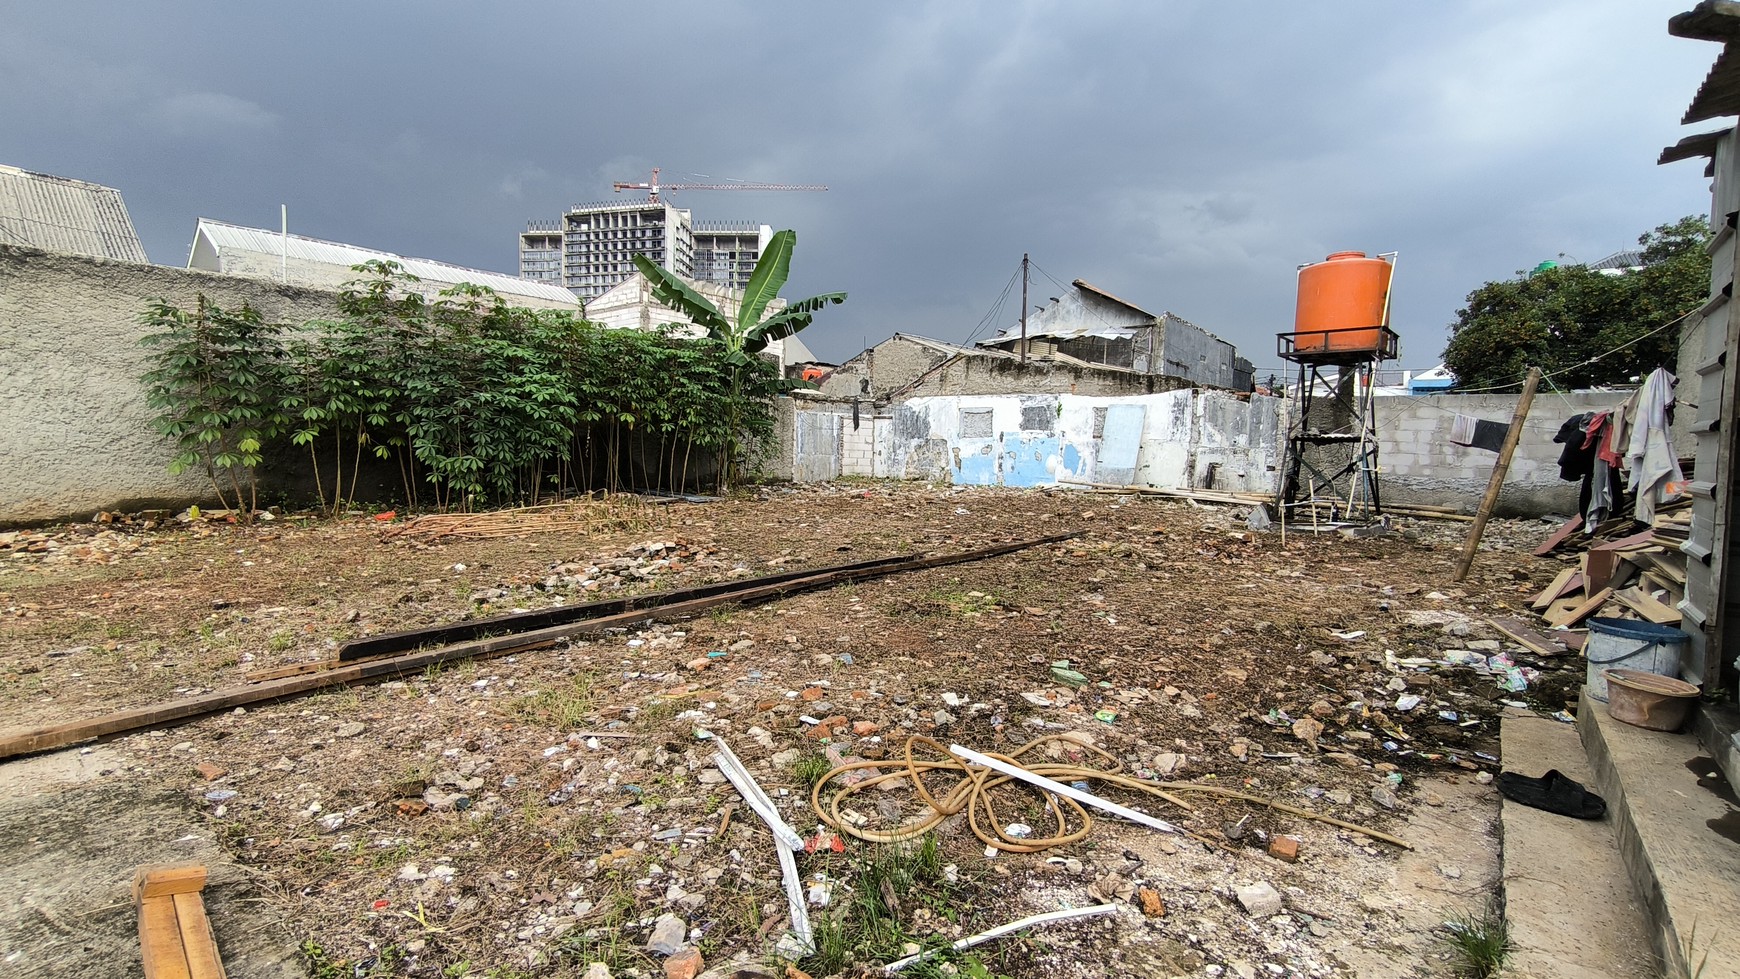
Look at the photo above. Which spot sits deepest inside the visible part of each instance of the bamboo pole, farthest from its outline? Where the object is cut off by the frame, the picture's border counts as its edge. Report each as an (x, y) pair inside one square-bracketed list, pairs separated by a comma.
[(1499, 469)]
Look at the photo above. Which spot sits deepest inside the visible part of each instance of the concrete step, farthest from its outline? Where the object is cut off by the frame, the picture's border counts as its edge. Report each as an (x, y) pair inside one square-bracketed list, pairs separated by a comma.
[(1678, 824), (1571, 909)]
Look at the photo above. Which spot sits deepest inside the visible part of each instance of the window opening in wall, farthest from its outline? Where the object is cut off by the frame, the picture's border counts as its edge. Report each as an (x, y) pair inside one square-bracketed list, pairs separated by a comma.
[(1099, 423), (976, 424), (1039, 417)]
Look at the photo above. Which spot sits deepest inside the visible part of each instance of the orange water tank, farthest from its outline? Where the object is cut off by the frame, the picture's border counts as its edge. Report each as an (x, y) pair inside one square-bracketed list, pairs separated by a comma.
[(1346, 291)]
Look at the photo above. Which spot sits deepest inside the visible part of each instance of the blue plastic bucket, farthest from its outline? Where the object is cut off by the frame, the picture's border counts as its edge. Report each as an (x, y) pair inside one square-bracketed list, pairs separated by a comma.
[(1630, 644)]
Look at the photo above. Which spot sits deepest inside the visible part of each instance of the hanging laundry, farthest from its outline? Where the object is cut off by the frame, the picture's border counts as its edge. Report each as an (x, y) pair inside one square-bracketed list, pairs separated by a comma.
[(1574, 462), (1650, 454), (1478, 433)]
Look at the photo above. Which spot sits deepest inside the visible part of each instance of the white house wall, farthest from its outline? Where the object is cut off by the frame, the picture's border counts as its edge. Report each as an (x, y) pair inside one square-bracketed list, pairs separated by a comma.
[(1179, 437)]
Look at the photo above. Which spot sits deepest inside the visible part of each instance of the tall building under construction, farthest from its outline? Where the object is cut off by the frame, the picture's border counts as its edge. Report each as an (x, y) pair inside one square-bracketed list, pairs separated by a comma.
[(593, 246)]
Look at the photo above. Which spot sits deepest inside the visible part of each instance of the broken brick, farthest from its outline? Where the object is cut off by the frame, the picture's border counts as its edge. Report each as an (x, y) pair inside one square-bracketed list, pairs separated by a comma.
[(1284, 848), (812, 693), (1149, 899), (210, 771), (863, 728)]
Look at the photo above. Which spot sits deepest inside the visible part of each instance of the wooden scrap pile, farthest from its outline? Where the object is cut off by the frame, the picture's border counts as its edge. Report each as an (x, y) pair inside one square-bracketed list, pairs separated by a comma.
[(1622, 572)]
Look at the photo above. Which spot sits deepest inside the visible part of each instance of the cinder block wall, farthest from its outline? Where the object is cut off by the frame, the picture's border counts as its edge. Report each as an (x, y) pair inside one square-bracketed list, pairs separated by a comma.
[(858, 446), (1421, 465), (75, 432)]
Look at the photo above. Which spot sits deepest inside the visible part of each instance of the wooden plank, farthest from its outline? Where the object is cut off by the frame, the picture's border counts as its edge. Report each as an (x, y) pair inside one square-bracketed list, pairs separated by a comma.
[(152, 882), (1528, 637), (495, 625), (1669, 564), (1490, 499), (203, 961), (178, 711), (1558, 537), (1634, 540), (1647, 606), (1599, 570), (1653, 582), (1583, 611), (1560, 608), (1554, 590), (160, 940)]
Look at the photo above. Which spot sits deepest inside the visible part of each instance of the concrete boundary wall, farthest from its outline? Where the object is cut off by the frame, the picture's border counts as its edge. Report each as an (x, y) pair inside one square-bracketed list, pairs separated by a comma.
[(75, 432), (1185, 439), (1419, 463)]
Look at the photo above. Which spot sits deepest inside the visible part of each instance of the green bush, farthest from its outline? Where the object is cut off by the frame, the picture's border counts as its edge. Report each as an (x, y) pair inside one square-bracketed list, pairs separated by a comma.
[(477, 403)]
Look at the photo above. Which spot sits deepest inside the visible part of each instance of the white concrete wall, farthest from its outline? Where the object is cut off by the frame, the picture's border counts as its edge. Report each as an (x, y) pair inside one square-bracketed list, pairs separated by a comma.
[(75, 431), (327, 276), (1187, 439)]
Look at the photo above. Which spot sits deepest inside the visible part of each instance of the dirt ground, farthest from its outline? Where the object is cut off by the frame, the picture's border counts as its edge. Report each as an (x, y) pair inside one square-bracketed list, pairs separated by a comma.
[(465, 821)]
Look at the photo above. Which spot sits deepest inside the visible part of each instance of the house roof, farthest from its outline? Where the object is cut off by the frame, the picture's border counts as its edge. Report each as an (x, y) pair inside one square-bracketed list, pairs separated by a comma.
[(60, 214), (224, 236), (1619, 260), (1713, 20), (1086, 286), (952, 349)]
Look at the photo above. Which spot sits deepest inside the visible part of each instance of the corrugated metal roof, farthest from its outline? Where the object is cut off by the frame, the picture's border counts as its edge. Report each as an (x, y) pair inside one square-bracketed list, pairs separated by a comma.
[(59, 214), (231, 236), (1086, 286), (943, 346), (1631, 259)]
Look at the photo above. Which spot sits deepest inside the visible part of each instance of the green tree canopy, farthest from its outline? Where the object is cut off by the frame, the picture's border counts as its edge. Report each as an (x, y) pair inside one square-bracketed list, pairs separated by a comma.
[(1560, 318)]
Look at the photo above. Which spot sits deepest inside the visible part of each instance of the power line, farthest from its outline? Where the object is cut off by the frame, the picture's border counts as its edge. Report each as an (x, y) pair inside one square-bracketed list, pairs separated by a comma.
[(996, 308)]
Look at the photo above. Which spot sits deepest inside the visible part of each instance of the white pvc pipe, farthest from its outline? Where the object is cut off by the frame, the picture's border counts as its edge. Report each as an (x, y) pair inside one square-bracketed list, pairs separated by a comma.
[(1015, 771), (787, 839), (1000, 931)]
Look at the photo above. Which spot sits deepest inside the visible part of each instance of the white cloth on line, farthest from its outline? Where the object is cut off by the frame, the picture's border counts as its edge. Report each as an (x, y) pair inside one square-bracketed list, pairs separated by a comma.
[(1650, 454)]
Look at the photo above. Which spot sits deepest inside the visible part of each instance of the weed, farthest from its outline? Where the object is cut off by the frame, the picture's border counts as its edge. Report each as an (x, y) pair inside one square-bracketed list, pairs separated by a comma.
[(1479, 943), (604, 940), (280, 641), (655, 712), (886, 885), (321, 964), (808, 769), (563, 707), (1691, 965)]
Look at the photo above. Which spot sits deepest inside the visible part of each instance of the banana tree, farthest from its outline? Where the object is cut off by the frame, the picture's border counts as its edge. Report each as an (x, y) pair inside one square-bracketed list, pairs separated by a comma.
[(748, 334)]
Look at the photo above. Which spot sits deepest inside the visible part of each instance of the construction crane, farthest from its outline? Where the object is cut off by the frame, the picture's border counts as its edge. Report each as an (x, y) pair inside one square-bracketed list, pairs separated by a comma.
[(653, 186)]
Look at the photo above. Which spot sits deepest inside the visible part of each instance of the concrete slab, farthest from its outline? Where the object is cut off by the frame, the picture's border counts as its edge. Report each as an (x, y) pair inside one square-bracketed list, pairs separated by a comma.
[(1571, 909), (73, 832), (1678, 823)]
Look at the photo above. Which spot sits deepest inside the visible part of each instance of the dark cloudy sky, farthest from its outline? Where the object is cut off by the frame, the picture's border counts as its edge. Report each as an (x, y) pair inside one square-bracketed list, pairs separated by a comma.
[(1186, 156)]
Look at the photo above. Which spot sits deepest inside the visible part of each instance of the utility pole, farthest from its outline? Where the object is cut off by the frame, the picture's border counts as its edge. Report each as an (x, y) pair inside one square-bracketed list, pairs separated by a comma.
[(1024, 307)]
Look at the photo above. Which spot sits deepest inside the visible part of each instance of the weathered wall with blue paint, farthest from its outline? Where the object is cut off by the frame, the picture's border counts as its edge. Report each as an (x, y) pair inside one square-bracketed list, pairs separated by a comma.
[(1187, 439)]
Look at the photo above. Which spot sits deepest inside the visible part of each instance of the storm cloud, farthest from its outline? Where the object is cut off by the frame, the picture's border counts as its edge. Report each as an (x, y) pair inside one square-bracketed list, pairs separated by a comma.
[(1185, 156)]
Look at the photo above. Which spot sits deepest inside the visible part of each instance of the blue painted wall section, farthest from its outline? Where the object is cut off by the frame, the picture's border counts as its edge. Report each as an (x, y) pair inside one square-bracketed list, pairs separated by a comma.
[(977, 463), (1029, 460), (1120, 444)]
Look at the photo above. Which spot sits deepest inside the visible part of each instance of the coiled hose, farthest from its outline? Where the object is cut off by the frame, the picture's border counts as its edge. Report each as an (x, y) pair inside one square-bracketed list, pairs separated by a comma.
[(971, 793)]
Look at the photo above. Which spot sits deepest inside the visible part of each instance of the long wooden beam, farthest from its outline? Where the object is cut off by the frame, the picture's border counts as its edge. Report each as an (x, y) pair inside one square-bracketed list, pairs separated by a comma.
[(180, 711), (409, 639)]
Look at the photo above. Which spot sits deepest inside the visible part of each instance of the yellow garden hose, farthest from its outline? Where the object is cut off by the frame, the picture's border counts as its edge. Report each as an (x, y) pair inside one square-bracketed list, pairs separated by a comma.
[(971, 793)]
